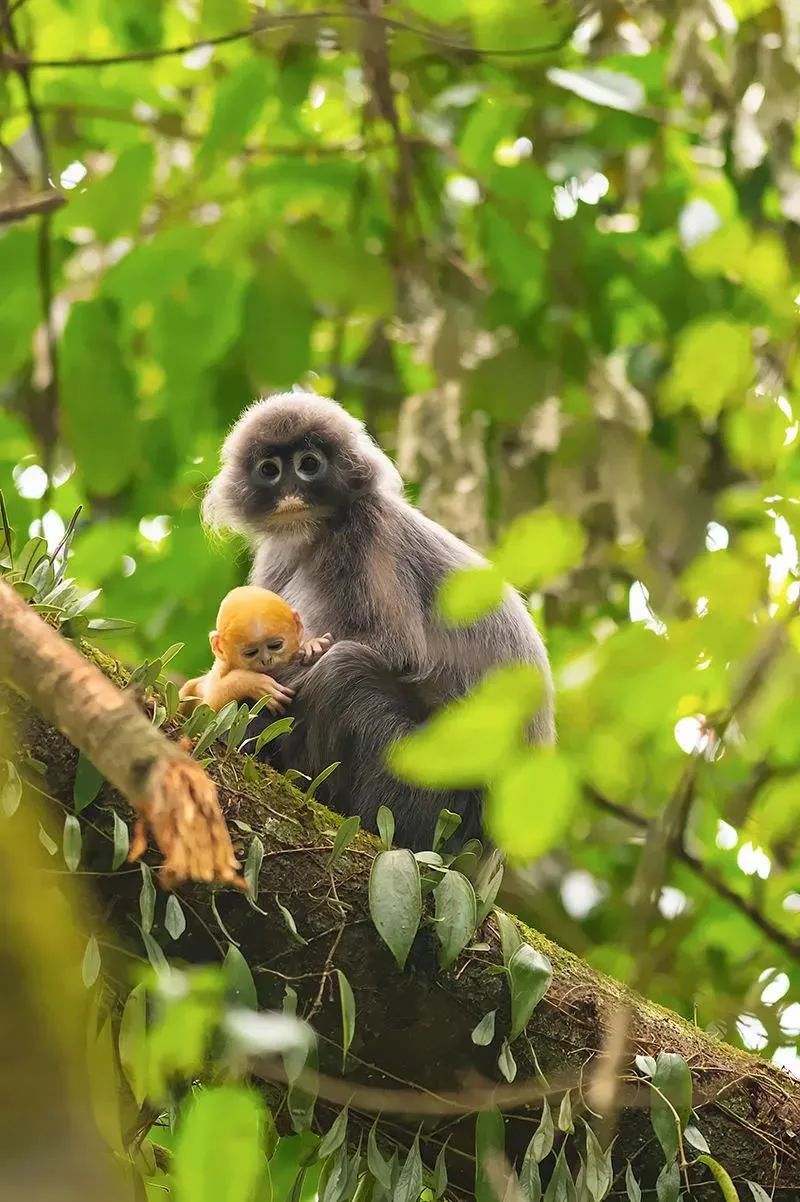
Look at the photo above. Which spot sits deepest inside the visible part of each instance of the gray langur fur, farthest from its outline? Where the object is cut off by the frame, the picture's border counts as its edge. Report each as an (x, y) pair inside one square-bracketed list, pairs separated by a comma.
[(324, 511)]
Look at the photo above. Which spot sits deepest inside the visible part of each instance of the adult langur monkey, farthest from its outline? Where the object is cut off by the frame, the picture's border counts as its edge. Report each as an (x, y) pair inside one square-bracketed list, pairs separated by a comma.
[(324, 511)]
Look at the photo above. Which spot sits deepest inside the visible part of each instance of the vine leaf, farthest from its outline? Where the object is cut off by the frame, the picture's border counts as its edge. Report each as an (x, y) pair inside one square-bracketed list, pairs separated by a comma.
[(288, 918), (344, 837), (395, 900), (632, 1186), (147, 898), (174, 917), (11, 791), (561, 1187), (490, 1142), (484, 1032), (530, 1181), (694, 1136), (409, 1183), (72, 842), (240, 978), (646, 1065), (456, 915), (121, 842), (348, 1004), (440, 1173), (758, 1192), (672, 1095), (334, 1138), (386, 826), (252, 867), (376, 1163), (565, 1122), (530, 974), (506, 1062), (88, 783), (668, 1183), (542, 1142), (90, 968), (599, 1170)]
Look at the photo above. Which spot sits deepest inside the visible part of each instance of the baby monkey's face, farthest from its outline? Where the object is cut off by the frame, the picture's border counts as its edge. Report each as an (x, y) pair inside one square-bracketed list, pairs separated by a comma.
[(257, 645)]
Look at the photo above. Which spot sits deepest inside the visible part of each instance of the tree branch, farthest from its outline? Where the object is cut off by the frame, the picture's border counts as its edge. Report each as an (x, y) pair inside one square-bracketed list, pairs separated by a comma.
[(169, 791)]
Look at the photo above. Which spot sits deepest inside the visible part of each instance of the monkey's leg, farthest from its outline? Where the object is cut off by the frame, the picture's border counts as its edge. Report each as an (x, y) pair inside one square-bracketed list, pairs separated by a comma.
[(241, 685), (350, 707)]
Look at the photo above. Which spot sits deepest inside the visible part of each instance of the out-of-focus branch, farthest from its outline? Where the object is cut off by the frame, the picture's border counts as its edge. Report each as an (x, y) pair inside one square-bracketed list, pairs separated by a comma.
[(169, 791)]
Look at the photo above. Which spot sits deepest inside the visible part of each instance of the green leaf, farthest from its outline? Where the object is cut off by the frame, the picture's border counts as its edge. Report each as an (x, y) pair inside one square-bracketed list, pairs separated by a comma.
[(712, 366), (395, 900), (672, 1095), (722, 1178), (758, 1192), (147, 898), (646, 1065), (530, 1181), (345, 835), (542, 773), (239, 978), (155, 954), (560, 1188), (542, 1143), (668, 1183), (11, 788), (252, 867), (468, 594), (218, 1154), (238, 102), (695, 1138), (483, 1034), (377, 1165), (112, 204), (335, 1136), (488, 896), (611, 89), (510, 938), (102, 438), (318, 780), (502, 25), (88, 783), (50, 845), (456, 915), (634, 1190), (446, 824), (239, 727), (565, 1122), (599, 1168), (132, 1042), (174, 917), (279, 727), (490, 1143), (348, 1005), (409, 1183), (278, 323), (90, 968), (121, 842), (215, 730), (31, 555), (72, 842), (469, 741), (440, 1173), (506, 1062), (288, 918), (538, 547), (386, 826), (530, 973)]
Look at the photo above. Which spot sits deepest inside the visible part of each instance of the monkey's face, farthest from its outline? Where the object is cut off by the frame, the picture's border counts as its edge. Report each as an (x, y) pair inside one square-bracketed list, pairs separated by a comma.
[(257, 645), (295, 484), (291, 463)]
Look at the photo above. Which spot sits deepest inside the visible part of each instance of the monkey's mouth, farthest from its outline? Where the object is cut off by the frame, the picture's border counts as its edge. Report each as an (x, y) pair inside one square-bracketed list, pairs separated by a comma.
[(293, 511)]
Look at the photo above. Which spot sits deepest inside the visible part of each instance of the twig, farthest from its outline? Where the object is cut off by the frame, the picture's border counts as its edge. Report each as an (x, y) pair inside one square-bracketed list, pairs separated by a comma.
[(269, 23), (31, 206), (169, 791)]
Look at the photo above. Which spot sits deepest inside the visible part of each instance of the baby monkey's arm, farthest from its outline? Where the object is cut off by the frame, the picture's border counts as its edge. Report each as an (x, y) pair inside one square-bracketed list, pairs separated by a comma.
[(237, 685)]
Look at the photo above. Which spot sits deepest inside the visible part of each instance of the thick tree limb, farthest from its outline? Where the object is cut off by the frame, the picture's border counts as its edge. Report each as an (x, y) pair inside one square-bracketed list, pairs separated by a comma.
[(170, 793), (413, 1056)]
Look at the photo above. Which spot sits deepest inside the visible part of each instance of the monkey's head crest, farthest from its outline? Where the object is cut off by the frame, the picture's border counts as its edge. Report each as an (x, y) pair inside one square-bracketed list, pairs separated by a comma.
[(291, 461)]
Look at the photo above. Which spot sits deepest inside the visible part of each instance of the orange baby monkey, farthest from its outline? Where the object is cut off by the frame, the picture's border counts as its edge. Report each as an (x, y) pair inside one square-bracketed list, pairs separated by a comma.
[(256, 632)]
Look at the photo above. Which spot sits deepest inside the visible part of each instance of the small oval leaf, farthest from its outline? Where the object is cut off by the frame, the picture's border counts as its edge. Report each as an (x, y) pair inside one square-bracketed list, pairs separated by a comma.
[(484, 1032), (395, 900), (456, 915)]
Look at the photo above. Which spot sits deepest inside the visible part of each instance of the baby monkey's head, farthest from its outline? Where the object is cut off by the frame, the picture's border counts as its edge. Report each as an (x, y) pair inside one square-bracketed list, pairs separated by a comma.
[(256, 629)]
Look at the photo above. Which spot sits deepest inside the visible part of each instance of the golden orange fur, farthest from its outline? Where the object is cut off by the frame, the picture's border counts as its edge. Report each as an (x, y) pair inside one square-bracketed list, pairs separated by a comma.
[(256, 632)]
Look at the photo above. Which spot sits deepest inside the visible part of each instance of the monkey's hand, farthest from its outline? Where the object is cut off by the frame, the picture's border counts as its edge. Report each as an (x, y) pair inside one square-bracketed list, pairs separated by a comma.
[(314, 648), (241, 685)]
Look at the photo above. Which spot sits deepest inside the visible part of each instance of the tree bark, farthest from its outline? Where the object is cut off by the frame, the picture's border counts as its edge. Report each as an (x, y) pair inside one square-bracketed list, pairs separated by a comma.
[(412, 1057)]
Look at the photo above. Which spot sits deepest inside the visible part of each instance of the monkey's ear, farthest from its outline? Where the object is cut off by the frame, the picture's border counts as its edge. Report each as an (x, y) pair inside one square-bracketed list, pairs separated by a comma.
[(298, 622), (216, 643)]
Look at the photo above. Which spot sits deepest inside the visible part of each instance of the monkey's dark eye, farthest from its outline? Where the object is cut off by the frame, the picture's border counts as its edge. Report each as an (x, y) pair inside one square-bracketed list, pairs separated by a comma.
[(250, 652), (275, 645), (269, 470), (309, 464)]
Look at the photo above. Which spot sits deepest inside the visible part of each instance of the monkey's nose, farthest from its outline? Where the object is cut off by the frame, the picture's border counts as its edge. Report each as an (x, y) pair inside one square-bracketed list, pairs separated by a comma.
[(290, 504)]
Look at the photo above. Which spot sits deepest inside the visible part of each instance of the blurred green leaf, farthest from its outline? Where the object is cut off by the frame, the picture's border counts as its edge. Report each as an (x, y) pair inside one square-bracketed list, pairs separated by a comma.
[(469, 594), (112, 205), (218, 1153), (713, 366), (538, 781)]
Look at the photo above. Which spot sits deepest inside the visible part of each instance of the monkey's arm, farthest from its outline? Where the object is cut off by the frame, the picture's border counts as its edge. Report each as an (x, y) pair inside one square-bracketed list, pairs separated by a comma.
[(193, 689), (241, 685)]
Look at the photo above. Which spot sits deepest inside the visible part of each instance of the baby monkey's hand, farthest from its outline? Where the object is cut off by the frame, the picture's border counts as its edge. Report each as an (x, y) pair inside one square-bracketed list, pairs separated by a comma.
[(314, 648), (280, 694)]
